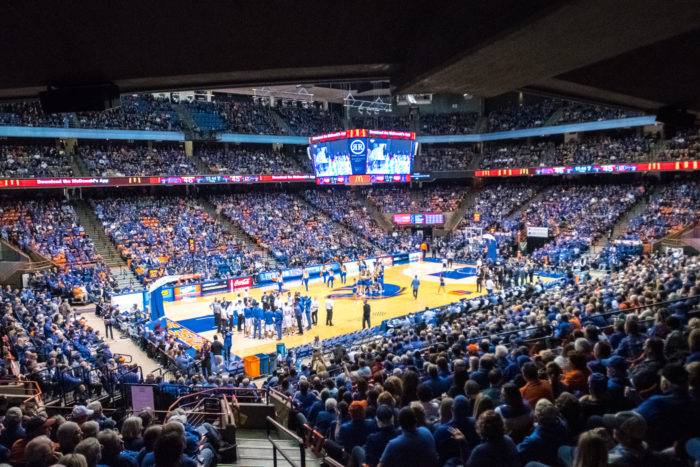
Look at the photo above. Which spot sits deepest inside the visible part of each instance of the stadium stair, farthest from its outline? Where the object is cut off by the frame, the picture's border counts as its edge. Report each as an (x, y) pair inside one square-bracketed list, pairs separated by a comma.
[(103, 245), (78, 166), (351, 231), (623, 222), (375, 212), (458, 215), (255, 450), (185, 117), (202, 168), (554, 118), (281, 123), (482, 125), (240, 235)]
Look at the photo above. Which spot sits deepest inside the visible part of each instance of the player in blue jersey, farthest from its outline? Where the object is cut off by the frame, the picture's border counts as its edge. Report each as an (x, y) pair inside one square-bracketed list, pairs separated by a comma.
[(248, 315), (269, 323), (278, 318), (331, 277), (258, 317)]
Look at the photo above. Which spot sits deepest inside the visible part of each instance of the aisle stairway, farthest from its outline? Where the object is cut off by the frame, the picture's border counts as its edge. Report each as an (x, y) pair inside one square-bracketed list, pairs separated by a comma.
[(374, 211), (255, 450), (238, 233), (104, 246), (352, 232), (623, 222), (458, 215), (200, 165), (281, 123)]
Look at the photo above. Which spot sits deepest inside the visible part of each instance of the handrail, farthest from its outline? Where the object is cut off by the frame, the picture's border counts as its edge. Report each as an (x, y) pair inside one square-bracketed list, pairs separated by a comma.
[(34, 389), (217, 390), (276, 447), (330, 462)]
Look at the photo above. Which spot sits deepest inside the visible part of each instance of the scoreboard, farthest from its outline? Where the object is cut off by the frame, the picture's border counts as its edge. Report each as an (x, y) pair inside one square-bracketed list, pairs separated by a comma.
[(371, 156), (426, 218)]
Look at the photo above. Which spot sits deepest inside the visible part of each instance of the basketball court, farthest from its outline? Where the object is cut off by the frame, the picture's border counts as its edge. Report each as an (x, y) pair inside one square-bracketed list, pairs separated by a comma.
[(195, 316)]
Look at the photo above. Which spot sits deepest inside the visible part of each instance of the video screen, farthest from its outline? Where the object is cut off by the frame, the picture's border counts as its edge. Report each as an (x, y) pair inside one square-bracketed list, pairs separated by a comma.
[(389, 156), (360, 156)]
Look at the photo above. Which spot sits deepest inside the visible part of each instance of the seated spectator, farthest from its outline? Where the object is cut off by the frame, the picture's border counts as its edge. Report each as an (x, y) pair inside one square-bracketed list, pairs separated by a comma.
[(496, 448), (548, 435), (414, 447)]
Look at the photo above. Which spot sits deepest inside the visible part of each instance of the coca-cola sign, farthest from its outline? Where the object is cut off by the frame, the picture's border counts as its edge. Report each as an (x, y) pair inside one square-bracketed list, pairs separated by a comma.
[(240, 282)]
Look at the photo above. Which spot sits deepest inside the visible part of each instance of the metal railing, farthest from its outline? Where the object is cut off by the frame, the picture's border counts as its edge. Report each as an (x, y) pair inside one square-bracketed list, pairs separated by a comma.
[(272, 423)]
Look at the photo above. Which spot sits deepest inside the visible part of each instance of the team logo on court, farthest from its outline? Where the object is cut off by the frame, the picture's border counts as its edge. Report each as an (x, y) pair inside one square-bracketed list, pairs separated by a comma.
[(346, 293), (357, 146)]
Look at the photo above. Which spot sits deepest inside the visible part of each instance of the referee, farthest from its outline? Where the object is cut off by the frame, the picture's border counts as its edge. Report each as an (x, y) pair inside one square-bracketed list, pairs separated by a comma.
[(366, 313)]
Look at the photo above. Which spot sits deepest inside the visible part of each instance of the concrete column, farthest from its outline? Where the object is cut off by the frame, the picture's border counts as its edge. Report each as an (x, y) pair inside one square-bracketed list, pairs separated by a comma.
[(189, 148)]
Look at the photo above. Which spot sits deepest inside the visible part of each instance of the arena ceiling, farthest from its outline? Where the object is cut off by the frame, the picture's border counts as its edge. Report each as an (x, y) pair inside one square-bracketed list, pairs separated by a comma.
[(642, 52)]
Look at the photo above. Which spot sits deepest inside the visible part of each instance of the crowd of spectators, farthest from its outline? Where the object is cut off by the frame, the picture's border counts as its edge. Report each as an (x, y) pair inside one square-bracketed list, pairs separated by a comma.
[(87, 437), (684, 146), (136, 112), (296, 233), (586, 373), (33, 161), (353, 214), (243, 115), (671, 208), (576, 216), (552, 112), (397, 199), (310, 121), (493, 204), (606, 150), (577, 112), (51, 229), (169, 236), (381, 121), (530, 115), (114, 160), (453, 123), (249, 161), (444, 159)]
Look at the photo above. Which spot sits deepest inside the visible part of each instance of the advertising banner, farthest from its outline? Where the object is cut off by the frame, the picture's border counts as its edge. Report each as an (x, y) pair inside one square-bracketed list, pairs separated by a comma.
[(187, 291), (240, 283)]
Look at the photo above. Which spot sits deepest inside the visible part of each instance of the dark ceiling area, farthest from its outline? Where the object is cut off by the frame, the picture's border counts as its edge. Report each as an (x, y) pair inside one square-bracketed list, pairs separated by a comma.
[(642, 53)]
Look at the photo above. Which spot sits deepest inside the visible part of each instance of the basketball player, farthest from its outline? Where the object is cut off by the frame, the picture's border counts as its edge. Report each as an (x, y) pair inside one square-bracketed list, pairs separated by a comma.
[(442, 284), (331, 277)]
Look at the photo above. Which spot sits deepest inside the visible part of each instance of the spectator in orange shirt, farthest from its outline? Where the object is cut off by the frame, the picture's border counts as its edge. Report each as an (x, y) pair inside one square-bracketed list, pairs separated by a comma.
[(535, 388), (576, 378)]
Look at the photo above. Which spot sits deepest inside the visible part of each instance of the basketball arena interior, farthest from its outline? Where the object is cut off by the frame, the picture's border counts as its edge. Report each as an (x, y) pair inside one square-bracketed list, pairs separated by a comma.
[(350, 234)]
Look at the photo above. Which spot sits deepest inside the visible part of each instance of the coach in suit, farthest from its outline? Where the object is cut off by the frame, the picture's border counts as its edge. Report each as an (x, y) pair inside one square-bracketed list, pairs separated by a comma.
[(366, 313)]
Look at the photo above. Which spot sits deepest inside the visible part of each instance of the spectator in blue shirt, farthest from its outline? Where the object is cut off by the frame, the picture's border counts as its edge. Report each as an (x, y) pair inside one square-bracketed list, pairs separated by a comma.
[(669, 415), (550, 433), (377, 441), (355, 432), (447, 446), (435, 382), (414, 447), (303, 398), (632, 345), (496, 449)]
